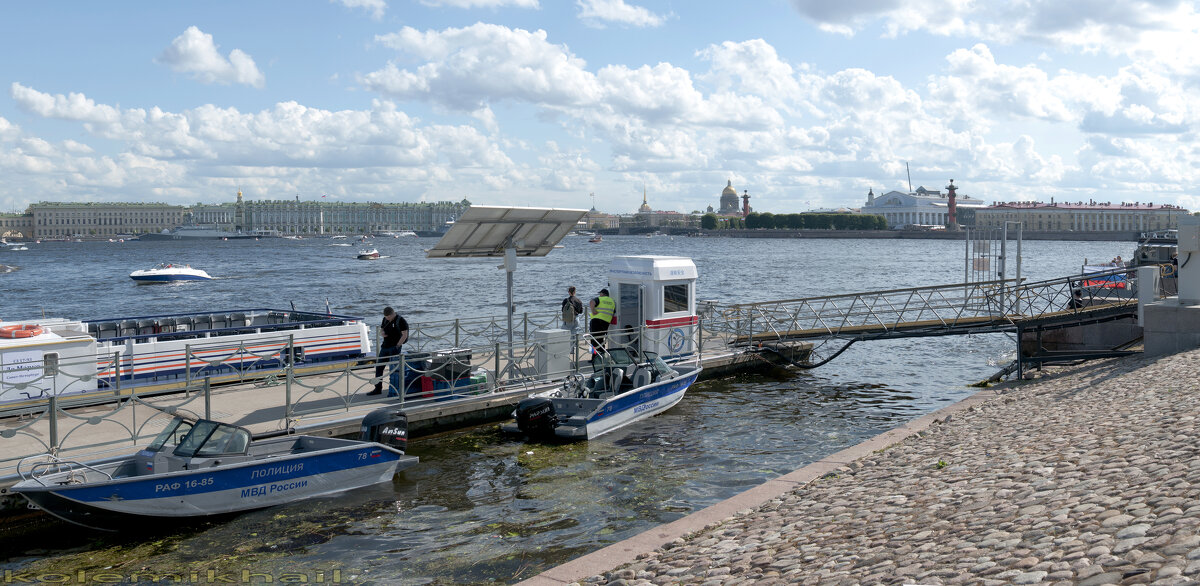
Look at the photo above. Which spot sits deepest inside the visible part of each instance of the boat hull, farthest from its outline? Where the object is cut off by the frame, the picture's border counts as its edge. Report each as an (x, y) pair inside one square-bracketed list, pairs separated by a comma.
[(210, 492), (573, 418), (630, 407), (168, 278)]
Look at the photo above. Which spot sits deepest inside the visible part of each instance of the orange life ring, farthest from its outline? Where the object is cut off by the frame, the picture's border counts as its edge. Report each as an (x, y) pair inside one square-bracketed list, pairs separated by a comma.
[(20, 331)]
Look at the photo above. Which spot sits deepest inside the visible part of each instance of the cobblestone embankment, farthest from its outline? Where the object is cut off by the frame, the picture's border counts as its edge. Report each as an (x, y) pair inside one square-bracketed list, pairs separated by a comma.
[(1089, 475)]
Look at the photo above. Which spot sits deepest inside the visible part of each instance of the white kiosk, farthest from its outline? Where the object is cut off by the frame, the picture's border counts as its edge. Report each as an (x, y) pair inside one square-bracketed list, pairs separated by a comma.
[(656, 304)]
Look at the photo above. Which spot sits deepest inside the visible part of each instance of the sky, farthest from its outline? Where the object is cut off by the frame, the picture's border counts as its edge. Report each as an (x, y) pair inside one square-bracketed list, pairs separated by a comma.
[(803, 104)]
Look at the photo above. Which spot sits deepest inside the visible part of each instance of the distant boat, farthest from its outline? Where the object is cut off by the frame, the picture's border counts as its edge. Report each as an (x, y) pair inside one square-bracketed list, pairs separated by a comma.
[(397, 233), (596, 238), (338, 237), (169, 272), (199, 232), (372, 254)]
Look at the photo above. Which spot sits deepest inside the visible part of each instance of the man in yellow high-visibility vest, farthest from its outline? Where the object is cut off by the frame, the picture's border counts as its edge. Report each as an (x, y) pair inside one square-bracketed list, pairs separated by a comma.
[(602, 311)]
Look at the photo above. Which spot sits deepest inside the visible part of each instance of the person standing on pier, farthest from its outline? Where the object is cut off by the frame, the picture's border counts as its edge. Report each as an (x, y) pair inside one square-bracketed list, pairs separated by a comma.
[(572, 308), (602, 312), (394, 330)]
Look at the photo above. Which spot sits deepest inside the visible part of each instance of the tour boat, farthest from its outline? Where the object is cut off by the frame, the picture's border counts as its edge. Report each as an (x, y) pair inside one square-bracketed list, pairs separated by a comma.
[(623, 389), (165, 352), (372, 254), (596, 238), (201, 469)]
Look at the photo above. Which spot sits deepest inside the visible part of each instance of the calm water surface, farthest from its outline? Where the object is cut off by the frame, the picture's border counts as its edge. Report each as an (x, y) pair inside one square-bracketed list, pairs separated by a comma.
[(481, 507)]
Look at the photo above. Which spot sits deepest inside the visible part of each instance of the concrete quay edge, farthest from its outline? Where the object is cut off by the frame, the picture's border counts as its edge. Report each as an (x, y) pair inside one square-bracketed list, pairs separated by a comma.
[(625, 551)]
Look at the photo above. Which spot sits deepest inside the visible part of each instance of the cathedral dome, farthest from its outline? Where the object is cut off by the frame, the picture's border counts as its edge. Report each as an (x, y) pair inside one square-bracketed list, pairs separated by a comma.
[(729, 199)]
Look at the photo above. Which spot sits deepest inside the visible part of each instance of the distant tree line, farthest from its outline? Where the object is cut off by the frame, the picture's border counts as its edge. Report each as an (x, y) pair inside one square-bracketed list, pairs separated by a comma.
[(806, 221)]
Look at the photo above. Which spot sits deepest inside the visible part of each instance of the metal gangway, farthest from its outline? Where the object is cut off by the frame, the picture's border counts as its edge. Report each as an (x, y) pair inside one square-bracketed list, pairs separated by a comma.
[(832, 323)]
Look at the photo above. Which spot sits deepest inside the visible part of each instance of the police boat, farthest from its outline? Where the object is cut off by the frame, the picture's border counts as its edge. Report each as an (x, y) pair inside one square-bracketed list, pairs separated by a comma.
[(625, 387), (204, 469)]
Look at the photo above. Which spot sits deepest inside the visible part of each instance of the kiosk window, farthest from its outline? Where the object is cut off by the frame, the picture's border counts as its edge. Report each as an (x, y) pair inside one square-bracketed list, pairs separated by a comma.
[(675, 298)]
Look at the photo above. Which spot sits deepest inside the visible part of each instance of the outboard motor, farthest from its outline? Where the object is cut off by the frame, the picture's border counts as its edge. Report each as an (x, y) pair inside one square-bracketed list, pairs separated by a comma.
[(535, 417), (387, 426)]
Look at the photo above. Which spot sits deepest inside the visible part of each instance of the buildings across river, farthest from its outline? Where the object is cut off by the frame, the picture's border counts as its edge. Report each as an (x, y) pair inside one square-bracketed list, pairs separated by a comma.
[(69, 220)]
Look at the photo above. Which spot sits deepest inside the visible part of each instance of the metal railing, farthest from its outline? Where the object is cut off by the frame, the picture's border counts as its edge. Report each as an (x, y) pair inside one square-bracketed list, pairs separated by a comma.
[(59, 409), (470, 359)]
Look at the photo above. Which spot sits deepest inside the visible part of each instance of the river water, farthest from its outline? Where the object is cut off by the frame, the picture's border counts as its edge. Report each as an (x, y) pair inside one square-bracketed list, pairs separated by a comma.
[(481, 507)]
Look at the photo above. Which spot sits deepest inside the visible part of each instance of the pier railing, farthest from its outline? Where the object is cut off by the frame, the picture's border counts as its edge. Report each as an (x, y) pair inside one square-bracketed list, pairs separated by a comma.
[(53, 412)]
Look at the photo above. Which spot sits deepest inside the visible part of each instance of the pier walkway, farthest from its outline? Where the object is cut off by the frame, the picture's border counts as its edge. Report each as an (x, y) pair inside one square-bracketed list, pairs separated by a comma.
[(834, 322)]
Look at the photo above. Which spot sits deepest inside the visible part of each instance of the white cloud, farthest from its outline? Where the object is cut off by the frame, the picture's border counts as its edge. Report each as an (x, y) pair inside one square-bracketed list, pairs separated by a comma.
[(471, 67), (194, 52), (375, 7), (598, 12), (482, 3), (1158, 31)]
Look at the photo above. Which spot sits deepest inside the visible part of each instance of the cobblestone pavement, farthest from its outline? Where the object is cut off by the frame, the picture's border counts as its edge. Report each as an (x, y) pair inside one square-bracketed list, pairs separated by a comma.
[(1089, 475)]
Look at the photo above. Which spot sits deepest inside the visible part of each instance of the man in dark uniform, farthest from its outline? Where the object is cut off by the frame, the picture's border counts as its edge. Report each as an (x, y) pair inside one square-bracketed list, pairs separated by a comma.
[(395, 333)]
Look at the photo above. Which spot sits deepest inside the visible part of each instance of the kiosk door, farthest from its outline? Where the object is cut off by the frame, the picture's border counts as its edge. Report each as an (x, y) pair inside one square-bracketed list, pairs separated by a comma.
[(629, 315)]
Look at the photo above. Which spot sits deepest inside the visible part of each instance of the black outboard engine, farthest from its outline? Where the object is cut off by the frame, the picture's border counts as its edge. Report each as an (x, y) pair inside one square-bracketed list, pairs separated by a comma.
[(535, 417), (388, 426)]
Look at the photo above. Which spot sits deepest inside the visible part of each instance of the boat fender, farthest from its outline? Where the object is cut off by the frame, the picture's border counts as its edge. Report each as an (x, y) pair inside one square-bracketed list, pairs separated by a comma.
[(21, 331), (535, 416), (387, 426)]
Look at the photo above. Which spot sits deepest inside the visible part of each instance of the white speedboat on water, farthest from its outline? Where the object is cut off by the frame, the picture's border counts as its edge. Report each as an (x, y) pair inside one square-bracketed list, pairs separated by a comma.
[(169, 272), (371, 254), (206, 468), (623, 389)]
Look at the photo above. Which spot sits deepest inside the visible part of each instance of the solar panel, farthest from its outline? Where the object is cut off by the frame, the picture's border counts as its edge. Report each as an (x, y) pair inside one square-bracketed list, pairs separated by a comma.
[(489, 230)]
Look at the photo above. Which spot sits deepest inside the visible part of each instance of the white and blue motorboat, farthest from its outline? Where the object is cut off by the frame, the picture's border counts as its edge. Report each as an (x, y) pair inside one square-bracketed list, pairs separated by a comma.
[(169, 273), (624, 388), (203, 469)]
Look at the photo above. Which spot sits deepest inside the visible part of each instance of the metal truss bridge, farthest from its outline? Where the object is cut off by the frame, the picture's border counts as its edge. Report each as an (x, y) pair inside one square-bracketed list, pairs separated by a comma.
[(834, 322)]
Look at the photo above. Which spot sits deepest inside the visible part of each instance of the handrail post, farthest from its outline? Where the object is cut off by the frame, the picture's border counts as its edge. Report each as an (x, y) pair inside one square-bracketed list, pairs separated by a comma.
[(53, 424), (456, 332), (290, 373), (403, 382), (208, 396), (117, 371), (497, 377)]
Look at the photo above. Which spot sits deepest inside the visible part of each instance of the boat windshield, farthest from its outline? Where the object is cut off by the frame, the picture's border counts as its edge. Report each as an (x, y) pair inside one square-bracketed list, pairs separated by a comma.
[(209, 438), (656, 362), (171, 435)]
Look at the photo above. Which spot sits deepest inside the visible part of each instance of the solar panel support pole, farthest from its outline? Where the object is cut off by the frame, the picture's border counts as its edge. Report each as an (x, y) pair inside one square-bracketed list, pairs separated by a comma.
[(510, 267)]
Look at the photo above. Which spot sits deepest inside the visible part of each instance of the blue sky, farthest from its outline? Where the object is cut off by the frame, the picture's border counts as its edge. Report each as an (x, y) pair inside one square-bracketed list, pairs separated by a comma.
[(804, 103)]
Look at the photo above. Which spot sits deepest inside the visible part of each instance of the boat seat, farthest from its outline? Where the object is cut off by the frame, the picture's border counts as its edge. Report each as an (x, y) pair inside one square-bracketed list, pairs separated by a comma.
[(202, 322), (220, 321), (238, 320), (641, 377), (167, 324), (238, 443), (106, 329), (94, 330), (145, 326), (129, 327)]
